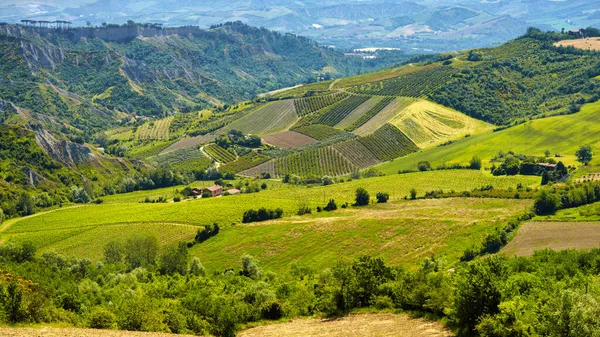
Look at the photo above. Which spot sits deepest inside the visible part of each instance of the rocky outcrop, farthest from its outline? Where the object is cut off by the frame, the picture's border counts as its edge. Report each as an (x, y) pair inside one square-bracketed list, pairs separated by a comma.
[(65, 152)]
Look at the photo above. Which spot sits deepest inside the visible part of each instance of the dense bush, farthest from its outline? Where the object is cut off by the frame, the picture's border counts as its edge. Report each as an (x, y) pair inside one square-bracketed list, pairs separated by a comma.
[(362, 197), (261, 214), (382, 197)]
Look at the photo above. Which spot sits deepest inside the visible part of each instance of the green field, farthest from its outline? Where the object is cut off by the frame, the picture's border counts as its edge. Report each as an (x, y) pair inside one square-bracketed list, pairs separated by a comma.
[(560, 135), (55, 230), (155, 130), (403, 233)]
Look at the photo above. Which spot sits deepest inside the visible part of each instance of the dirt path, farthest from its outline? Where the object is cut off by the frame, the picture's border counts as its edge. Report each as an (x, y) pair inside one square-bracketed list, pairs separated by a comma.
[(365, 325), (534, 236)]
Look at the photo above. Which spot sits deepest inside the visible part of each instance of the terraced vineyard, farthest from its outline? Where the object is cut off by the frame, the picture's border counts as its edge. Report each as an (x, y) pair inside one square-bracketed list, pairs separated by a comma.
[(305, 106), (336, 113), (418, 84), (270, 118), (388, 143), (245, 162), (358, 112), (364, 118), (219, 153), (358, 154), (314, 163), (267, 167), (187, 159), (155, 130), (318, 131)]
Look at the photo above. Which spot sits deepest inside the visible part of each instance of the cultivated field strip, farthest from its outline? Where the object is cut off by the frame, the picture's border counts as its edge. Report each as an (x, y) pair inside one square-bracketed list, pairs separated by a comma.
[(245, 162), (155, 130), (219, 154), (388, 143), (384, 115), (359, 112), (314, 163), (318, 131), (287, 139), (270, 118), (190, 142), (336, 113), (268, 167), (188, 159), (358, 154), (419, 84), (308, 105), (365, 117)]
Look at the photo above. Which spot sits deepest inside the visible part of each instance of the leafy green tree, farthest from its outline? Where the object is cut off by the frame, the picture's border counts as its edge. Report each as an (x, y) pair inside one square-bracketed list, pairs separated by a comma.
[(1, 216), (196, 267), (141, 250), (584, 154), (250, 267), (13, 303), (546, 203), (362, 197), (475, 163), (382, 197), (331, 206), (424, 166), (413, 194), (113, 252), (101, 318), (175, 260)]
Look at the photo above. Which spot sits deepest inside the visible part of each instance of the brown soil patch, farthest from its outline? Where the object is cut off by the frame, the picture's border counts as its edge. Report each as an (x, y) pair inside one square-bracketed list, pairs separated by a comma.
[(554, 235), (380, 325), (587, 44), (287, 139), (72, 332)]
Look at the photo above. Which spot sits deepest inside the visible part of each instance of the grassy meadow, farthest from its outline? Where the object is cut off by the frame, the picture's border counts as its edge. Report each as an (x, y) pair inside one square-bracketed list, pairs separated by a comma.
[(560, 135), (83, 230)]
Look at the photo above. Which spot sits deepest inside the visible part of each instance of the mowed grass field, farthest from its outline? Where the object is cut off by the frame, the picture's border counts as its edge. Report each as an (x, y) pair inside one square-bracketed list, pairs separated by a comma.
[(561, 134), (403, 233), (535, 236), (270, 118), (428, 124), (83, 230), (586, 44)]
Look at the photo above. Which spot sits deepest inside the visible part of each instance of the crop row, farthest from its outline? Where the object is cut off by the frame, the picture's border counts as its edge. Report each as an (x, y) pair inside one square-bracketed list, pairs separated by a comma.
[(314, 163), (318, 131), (155, 130), (335, 113), (305, 106), (358, 154), (417, 84), (388, 143), (370, 114), (245, 162), (266, 167), (219, 153), (187, 159)]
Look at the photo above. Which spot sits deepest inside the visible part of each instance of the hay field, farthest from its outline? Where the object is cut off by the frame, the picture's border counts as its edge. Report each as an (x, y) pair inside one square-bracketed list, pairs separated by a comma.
[(428, 124), (359, 325), (554, 235), (384, 116), (592, 43), (358, 112)]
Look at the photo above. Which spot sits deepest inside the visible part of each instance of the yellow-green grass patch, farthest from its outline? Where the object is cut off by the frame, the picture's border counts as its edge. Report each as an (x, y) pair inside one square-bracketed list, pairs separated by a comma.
[(403, 233), (559, 135), (428, 124)]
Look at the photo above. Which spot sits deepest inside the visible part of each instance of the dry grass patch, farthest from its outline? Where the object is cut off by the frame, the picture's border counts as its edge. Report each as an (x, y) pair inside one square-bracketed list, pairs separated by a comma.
[(554, 235), (381, 325), (587, 44)]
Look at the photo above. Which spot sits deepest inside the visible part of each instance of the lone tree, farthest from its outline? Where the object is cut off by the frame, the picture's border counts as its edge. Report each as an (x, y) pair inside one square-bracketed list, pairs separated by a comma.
[(584, 154), (362, 197)]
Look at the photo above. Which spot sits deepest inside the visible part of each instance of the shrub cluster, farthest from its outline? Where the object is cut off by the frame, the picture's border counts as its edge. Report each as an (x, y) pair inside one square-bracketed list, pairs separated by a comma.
[(261, 214)]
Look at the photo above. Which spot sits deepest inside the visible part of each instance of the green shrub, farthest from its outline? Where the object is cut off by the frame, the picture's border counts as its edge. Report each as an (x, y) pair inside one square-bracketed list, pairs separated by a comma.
[(382, 197), (272, 311), (101, 318), (383, 302), (362, 197), (331, 206), (546, 203)]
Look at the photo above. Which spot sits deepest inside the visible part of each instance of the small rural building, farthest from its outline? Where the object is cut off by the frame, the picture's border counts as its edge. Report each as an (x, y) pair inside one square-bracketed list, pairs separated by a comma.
[(234, 191), (196, 192), (215, 190)]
